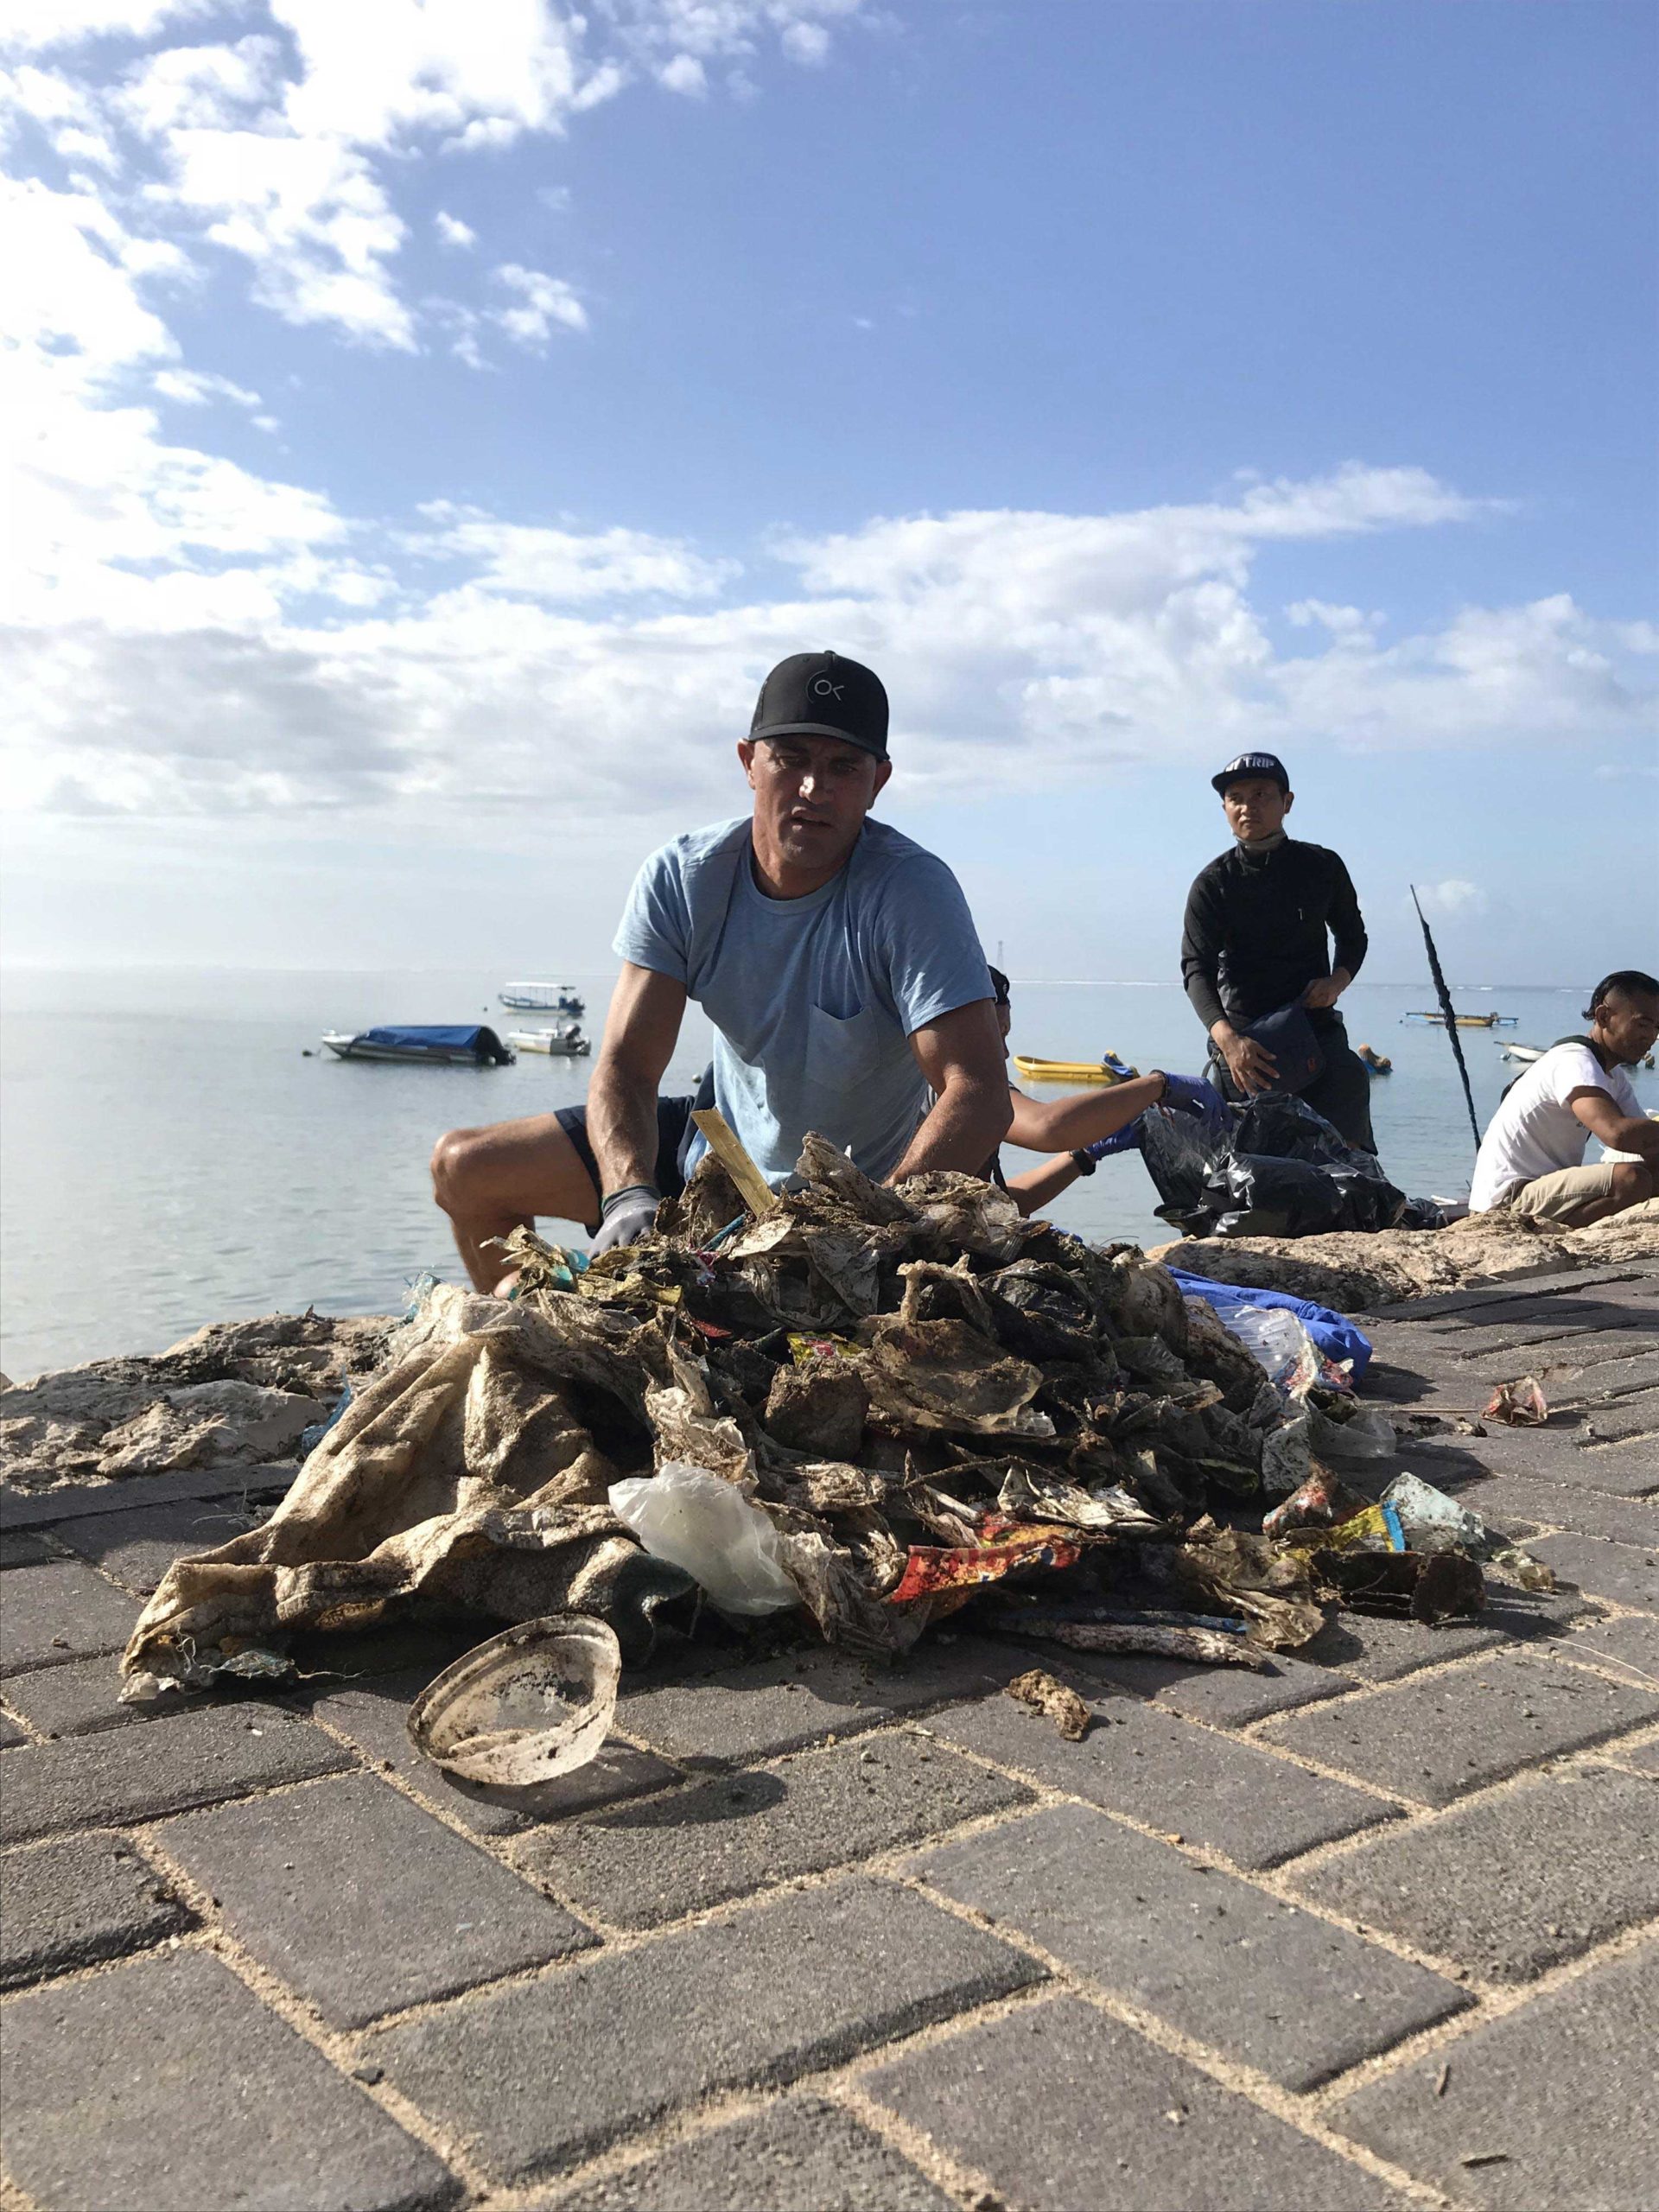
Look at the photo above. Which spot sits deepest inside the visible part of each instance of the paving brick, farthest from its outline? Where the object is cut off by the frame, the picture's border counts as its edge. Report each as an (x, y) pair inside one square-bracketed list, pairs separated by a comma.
[(1061, 2106), (1513, 1884), (1617, 1572), (1515, 1503), (375, 1716), (1170, 1774), (60, 1611), (1632, 1640), (1626, 1468), (137, 1545), (1227, 1697), (1380, 1649), (1566, 1455), (51, 1508), (166, 1766), (363, 1903), (19, 1548), (753, 1712), (10, 1733), (800, 2153), (70, 1903), (1433, 1739), (1643, 1758), (167, 2082), (1562, 2092), (735, 1833), (542, 2073), (71, 1701), (1266, 1985)]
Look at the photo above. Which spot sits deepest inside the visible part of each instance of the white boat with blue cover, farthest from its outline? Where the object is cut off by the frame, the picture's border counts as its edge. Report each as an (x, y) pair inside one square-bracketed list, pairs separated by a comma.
[(462, 1046)]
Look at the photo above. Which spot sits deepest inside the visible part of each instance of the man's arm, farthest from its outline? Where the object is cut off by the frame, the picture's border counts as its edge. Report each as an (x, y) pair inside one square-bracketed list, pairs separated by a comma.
[(1618, 1131), (641, 1030), (1348, 939), (1251, 1065), (961, 1055), (1068, 1124)]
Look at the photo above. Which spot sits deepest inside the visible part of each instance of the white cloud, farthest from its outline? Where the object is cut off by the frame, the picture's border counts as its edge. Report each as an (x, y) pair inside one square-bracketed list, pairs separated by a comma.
[(200, 87), (544, 301), (569, 567), (805, 42), (452, 230), (1454, 896), (196, 387), (684, 73), (33, 26), (480, 670)]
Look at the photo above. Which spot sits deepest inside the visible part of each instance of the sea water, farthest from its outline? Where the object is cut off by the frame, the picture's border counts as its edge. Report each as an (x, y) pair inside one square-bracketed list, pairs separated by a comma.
[(168, 1154)]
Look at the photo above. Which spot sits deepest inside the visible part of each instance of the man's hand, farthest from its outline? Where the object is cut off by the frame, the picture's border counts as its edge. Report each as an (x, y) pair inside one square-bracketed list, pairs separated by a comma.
[(627, 1216), (1325, 990), (1191, 1094), (1249, 1063)]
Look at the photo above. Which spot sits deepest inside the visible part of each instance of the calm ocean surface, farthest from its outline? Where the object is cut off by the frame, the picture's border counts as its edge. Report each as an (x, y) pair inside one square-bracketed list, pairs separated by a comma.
[(168, 1156)]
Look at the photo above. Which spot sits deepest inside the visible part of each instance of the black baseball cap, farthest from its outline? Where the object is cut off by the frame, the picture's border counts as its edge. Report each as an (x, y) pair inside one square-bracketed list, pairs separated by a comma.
[(1251, 763), (823, 695)]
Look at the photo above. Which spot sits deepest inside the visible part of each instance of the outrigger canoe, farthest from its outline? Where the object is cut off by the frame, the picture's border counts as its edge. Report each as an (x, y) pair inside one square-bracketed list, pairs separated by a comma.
[(1108, 1068), (1469, 1020)]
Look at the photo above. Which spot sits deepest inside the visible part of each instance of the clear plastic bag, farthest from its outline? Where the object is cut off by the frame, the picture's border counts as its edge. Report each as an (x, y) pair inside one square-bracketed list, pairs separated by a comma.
[(704, 1523), (1281, 1344)]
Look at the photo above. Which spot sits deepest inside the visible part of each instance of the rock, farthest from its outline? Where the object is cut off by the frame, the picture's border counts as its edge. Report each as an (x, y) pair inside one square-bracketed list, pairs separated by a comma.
[(234, 1393), (1356, 1273)]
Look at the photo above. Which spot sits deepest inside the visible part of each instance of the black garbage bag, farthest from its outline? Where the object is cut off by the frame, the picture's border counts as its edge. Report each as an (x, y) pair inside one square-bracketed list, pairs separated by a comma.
[(1281, 1170)]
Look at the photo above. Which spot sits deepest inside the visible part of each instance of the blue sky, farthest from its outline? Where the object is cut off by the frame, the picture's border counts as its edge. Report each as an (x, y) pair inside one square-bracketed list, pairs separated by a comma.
[(437, 417)]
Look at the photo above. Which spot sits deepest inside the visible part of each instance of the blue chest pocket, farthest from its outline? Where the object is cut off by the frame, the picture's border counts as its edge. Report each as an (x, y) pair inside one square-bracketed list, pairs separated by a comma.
[(845, 1052)]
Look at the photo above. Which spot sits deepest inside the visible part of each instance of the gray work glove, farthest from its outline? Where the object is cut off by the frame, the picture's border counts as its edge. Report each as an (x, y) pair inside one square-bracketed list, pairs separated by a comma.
[(627, 1216)]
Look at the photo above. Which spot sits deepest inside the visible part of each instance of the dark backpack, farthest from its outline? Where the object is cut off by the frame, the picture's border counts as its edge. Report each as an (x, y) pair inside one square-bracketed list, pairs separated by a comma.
[(1510, 1086)]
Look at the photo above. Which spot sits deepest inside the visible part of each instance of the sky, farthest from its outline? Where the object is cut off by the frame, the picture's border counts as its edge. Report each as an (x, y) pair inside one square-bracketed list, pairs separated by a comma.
[(428, 419)]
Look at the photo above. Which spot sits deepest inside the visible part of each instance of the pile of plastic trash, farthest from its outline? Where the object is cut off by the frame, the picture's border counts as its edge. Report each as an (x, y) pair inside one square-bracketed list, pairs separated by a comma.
[(870, 1407)]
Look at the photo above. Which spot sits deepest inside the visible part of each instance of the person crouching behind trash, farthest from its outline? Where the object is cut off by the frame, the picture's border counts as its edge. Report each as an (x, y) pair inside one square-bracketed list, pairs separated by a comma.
[(1254, 946), (837, 960), (1087, 1126), (1532, 1155)]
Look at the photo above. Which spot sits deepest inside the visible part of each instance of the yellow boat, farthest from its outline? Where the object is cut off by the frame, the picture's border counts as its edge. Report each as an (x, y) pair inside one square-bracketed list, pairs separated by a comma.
[(1073, 1072)]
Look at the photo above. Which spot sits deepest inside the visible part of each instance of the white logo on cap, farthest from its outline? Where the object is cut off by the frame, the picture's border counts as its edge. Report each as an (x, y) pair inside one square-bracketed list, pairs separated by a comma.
[(822, 688)]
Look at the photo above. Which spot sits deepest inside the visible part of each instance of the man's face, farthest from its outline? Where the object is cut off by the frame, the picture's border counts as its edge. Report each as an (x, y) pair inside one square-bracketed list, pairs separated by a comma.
[(1254, 807), (811, 794), (1628, 1024)]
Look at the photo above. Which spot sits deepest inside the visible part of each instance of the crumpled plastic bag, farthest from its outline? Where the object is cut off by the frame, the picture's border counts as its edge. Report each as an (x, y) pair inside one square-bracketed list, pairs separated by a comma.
[(698, 1521)]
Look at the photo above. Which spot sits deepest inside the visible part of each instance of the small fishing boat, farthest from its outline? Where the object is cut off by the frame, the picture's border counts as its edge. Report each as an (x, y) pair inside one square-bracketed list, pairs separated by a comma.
[(1513, 1052), (1469, 1020), (564, 1041), (1108, 1069), (463, 1047), (1378, 1063), (543, 998)]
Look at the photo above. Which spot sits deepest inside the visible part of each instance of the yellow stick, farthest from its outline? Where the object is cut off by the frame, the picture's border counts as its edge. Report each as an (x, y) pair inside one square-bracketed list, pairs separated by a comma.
[(752, 1186)]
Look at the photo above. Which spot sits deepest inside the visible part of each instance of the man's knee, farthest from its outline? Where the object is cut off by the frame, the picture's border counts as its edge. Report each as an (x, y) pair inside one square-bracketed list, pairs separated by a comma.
[(1633, 1182), (452, 1156)]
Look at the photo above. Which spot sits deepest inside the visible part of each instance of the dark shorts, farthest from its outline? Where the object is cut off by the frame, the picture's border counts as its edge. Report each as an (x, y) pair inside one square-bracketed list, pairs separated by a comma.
[(674, 1134)]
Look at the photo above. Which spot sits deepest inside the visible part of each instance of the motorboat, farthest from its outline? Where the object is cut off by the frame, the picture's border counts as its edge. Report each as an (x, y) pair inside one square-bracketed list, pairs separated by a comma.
[(564, 1041), (1108, 1069), (466, 1045), (543, 998), (1512, 1051)]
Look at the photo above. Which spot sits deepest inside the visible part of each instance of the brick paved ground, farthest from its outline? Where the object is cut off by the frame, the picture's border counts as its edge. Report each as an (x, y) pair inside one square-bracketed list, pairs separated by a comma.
[(1379, 1929)]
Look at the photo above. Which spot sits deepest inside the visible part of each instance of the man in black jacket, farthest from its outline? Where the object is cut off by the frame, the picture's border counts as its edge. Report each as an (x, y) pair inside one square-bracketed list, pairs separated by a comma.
[(1255, 940)]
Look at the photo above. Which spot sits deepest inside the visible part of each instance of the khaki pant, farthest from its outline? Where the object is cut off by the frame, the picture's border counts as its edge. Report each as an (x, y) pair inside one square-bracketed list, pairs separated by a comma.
[(1562, 1196)]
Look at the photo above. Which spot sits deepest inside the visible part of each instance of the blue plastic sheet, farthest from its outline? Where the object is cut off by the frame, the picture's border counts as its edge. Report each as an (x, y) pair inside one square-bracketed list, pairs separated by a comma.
[(1334, 1333)]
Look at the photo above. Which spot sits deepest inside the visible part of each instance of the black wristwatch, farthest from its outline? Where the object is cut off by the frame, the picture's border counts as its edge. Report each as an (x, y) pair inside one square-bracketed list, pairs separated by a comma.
[(1084, 1164)]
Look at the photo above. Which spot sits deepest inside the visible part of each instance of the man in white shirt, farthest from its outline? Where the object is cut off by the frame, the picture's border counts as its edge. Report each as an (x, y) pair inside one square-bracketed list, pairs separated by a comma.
[(1531, 1157)]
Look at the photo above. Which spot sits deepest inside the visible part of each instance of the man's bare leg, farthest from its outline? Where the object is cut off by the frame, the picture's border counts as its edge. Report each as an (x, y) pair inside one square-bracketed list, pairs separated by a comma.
[(1633, 1184), (490, 1181)]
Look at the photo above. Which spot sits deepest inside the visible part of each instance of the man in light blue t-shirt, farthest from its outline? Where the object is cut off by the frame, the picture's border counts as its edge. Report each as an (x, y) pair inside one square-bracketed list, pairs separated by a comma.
[(837, 960)]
